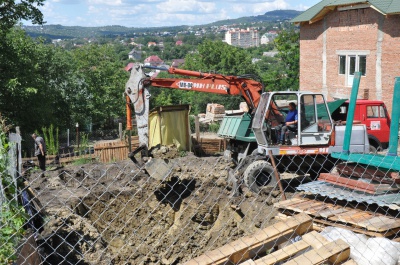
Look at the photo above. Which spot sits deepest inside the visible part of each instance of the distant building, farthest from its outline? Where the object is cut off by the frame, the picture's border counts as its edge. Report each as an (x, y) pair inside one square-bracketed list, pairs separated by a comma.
[(264, 39), (243, 38), (135, 55), (153, 60), (270, 54), (151, 43), (179, 43), (177, 63), (268, 37)]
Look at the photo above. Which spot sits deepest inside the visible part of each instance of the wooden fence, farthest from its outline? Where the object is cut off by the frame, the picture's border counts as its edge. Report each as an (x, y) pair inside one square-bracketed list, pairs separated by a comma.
[(110, 151)]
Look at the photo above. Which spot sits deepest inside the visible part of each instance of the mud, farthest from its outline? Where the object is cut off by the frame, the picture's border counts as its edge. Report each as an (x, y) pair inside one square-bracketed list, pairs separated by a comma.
[(117, 214)]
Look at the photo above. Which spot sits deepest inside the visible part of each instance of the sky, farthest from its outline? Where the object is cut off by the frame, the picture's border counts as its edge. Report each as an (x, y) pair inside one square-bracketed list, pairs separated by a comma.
[(158, 13)]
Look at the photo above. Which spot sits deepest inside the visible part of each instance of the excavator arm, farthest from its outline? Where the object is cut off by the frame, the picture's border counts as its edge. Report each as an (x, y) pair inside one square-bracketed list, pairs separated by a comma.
[(138, 95)]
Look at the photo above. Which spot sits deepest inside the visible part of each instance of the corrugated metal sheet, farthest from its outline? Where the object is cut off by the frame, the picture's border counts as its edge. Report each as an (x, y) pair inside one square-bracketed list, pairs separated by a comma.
[(391, 200)]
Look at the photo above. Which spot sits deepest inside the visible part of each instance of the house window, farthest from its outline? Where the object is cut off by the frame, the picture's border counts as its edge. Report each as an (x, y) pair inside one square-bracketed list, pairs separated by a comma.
[(352, 63), (342, 64)]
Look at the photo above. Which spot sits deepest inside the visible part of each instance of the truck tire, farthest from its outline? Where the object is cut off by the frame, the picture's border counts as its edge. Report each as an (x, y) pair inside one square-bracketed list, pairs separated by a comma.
[(259, 174), (374, 144)]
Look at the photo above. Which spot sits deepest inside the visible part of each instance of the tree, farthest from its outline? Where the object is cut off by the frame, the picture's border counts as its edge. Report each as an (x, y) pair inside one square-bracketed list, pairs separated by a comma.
[(214, 56), (12, 11), (287, 44), (103, 78)]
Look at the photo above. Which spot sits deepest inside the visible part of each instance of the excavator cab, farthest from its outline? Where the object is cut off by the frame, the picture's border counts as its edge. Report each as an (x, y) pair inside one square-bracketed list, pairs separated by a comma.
[(314, 124)]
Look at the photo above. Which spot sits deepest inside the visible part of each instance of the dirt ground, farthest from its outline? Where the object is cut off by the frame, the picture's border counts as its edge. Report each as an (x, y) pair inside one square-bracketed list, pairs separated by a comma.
[(116, 214)]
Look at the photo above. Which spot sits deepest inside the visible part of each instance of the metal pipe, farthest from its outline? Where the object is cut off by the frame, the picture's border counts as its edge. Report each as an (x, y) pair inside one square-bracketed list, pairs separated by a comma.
[(394, 124), (129, 122), (350, 113)]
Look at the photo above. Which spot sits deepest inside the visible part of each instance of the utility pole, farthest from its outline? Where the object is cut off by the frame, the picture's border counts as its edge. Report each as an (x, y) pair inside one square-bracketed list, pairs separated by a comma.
[(77, 134)]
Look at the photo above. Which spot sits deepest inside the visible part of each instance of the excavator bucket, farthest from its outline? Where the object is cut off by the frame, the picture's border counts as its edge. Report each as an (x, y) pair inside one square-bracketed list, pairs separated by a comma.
[(158, 168)]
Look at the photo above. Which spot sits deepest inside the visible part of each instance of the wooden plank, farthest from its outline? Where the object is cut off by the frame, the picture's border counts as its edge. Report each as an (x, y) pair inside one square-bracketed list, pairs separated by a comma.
[(335, 252), (243, 248), (248, 262), (314, 239), (350, 262), (332, 212), (354, 229), (302, 206), (380, 223), (351, 218), (284, 253), (283, 204)]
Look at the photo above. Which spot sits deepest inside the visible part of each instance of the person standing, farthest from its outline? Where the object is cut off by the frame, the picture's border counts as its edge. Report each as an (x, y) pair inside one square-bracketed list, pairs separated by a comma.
[(40, 151)]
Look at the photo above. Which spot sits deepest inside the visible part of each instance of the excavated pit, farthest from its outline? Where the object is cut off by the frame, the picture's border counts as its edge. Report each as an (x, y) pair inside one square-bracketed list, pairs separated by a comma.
[(116, 214)]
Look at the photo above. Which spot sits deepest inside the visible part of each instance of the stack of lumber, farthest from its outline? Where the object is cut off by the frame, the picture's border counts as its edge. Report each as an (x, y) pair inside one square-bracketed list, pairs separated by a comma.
[(325, 213), (215, 112), (215, 108), (262, 247)]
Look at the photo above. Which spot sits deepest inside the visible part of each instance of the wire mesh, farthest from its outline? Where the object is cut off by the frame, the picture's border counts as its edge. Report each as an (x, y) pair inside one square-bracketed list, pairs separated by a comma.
[(206, 210)]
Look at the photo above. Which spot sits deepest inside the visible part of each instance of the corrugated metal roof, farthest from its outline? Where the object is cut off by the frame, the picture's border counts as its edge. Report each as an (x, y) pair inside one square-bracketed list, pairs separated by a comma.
[(384, 6), (391, 200)]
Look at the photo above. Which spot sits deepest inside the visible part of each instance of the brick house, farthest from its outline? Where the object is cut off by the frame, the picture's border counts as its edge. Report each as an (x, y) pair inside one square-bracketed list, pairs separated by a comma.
[(339, 37)]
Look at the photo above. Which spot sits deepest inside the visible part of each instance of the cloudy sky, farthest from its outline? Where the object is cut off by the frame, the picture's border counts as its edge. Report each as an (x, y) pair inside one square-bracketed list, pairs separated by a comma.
[(156, 13)]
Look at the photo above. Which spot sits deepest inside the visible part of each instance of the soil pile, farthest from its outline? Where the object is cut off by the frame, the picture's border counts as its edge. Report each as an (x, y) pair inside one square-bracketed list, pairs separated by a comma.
[(117, 214)]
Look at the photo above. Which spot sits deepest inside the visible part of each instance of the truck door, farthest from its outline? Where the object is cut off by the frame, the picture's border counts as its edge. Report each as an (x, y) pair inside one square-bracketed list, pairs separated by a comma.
[(315, 121), (377, 121)]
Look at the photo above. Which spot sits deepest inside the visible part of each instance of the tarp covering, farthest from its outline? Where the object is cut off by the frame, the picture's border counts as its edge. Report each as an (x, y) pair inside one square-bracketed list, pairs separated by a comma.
[(333, 105), (169, 125), (321, 110)]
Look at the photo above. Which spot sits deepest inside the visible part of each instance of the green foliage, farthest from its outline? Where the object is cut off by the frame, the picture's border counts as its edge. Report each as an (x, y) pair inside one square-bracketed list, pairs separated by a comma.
[(82, 161), (83, 147), (51, 139), (104, 80), (220, 57), (12, 221), (288, 45), (214, 127), (12, 11), (13, 217)]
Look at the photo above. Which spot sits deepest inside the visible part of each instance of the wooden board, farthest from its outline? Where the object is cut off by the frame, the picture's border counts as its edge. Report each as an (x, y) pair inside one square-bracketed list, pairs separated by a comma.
[(311, 249), (247, 247), (355, 219)]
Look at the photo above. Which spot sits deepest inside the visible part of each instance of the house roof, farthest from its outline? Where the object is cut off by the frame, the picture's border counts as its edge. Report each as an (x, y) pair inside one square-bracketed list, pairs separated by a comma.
[(153, 58), (319, 10)]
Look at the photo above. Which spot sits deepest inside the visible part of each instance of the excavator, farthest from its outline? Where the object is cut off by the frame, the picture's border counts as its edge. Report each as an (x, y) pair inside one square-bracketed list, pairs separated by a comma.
[(307, 147)]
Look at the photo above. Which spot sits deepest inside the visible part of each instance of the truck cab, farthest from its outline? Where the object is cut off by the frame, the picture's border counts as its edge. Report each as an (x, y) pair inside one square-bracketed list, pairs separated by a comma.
[(373, 114)]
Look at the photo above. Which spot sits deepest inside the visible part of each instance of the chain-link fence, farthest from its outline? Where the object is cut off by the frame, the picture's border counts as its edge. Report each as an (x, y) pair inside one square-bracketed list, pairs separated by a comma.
[(179, 208)]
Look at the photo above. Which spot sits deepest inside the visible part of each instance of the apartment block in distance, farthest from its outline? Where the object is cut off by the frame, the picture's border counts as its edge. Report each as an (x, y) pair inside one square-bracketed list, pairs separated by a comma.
[(243, 38)]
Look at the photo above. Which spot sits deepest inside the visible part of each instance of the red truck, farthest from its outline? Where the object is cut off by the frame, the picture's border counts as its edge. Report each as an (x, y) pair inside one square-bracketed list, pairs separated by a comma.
[(372, 113)]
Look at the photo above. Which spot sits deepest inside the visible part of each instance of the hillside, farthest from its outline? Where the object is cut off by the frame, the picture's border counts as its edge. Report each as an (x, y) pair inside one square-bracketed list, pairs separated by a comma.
[(272, 16), (68, 32)]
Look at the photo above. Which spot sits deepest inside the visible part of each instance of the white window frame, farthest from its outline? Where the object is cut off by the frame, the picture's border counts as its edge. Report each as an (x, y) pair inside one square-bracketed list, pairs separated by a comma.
[(348, 54)]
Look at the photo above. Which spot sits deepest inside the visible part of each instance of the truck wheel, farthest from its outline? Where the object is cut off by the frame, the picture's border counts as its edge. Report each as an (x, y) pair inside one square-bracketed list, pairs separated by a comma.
[(374, 144), (372, 149), (258, 174)]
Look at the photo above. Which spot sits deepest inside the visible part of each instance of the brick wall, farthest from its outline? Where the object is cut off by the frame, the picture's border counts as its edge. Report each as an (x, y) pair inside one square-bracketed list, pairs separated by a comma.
[(351, 30)]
